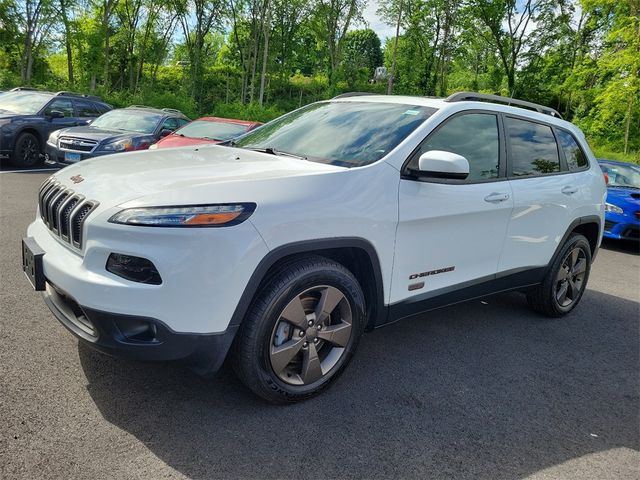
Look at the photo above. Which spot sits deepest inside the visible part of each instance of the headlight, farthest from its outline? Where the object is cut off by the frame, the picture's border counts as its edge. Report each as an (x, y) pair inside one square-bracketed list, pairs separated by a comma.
[(608, 207), (118, 146), (53, 138), (222, 215)]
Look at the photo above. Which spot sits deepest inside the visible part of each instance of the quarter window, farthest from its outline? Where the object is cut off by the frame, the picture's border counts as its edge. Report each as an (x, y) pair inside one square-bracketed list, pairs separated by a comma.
[(576, 158), (474, 136), (533, 148), (170, 124)]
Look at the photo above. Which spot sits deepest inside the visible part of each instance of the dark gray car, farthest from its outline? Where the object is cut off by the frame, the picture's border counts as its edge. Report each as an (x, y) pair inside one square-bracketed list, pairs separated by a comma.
[(121, 130)]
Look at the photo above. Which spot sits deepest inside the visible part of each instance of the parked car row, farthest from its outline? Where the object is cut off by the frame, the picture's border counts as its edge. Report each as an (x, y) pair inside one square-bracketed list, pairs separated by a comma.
[(65, 127), (622, 208)]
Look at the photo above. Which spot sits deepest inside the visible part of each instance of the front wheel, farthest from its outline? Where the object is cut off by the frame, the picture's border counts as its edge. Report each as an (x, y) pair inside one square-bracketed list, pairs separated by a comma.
[(565, 281), (300, 331), (27, 151)]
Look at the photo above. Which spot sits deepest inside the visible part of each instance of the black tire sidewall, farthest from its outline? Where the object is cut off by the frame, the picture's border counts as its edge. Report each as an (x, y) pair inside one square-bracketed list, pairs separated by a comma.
[(582, 243), (327, 275), (17, 159)]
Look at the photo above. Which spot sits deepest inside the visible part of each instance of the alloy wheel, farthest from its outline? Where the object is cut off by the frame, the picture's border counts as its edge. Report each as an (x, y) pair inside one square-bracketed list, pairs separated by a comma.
[(311, 335), (29, 151), (570, 278)]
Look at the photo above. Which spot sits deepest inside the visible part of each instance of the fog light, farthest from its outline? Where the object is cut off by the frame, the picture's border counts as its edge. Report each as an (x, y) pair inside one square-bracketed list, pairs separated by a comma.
[(132, 268)]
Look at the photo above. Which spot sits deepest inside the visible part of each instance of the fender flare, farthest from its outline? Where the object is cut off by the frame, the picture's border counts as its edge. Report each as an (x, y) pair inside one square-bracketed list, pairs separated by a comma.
[(311, 246), (578, 221)]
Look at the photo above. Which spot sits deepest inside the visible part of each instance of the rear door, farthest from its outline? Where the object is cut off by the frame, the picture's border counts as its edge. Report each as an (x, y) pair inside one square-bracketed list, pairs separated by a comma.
[(451, 232), (544, 194), (86, 111)]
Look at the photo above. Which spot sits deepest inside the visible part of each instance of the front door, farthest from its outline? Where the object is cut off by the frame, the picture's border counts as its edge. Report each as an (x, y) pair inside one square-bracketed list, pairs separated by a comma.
[(451, 232)]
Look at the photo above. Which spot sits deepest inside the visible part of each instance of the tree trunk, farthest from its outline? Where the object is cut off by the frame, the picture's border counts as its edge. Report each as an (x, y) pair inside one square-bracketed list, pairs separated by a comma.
[(395, 52), (627, 124), (265, 56), (67, 41)]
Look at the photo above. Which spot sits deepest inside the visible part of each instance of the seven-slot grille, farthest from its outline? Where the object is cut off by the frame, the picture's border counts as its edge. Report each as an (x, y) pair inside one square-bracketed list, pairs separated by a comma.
[(63, 211), (77, 144)]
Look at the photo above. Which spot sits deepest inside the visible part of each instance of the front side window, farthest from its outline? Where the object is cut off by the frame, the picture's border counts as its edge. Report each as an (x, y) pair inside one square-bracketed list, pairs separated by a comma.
[(347, 133), (170, 124), (64, 106), (533, 148), (472, 135), (576, 159)]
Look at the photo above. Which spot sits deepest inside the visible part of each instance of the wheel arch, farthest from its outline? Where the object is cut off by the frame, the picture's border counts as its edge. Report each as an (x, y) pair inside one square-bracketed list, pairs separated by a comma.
[(33, 131), (356, 254), (590, 227)]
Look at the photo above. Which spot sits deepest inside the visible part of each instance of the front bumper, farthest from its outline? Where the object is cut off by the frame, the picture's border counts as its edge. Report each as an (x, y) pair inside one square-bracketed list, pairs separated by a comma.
[(621, 227), (138, 338), (55, 157)]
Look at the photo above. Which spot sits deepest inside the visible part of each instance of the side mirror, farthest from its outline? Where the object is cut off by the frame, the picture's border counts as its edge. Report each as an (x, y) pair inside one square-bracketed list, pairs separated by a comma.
[(55, 114), (441, 164), (165, 132)]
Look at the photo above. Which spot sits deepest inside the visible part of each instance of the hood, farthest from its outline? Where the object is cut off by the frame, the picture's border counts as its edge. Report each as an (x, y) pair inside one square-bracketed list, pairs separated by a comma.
[(99, 134), (624, 197), (182, 176), (174, 140)]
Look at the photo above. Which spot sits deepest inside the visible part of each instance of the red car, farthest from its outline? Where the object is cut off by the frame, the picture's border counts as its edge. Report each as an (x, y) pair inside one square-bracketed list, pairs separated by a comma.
[(206, 130)]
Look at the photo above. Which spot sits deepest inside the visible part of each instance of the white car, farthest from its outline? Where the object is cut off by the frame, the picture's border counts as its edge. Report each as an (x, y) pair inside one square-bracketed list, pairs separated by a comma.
[(282, 247)]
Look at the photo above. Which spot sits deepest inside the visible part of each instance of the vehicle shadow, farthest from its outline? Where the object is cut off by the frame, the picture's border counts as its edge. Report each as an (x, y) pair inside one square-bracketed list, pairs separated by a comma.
[(479, 390), (623, 246)]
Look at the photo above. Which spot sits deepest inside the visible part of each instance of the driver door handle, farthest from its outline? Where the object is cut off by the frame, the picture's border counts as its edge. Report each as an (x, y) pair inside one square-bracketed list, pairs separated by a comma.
[(496, 197), (569, 190)]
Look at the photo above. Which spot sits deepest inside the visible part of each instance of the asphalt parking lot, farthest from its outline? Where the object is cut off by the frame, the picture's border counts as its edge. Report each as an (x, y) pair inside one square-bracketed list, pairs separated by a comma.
[(482, 390)]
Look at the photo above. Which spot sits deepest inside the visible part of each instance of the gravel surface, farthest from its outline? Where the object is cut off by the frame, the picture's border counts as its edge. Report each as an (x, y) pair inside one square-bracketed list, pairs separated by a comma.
[(481, 390)]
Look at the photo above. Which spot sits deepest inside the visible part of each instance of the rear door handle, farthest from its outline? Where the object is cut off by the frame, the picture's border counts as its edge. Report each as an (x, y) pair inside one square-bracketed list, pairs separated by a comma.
[(496, 197), (569, 190)]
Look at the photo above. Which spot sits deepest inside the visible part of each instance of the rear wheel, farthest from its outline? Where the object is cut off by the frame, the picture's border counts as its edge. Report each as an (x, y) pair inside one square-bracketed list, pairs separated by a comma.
[(565, 281), (26, 152), (301, 330)]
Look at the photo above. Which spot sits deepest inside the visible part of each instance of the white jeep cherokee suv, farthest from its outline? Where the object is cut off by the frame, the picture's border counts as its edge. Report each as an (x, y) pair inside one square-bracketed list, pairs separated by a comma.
[(282, 247)]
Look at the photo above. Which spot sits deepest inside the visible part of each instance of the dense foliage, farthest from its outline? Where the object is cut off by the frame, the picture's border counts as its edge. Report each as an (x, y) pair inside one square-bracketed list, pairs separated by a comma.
[(259, 58)]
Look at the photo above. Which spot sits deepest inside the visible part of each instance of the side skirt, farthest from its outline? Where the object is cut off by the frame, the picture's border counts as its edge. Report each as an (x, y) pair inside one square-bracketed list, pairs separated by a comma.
[(482, 287)]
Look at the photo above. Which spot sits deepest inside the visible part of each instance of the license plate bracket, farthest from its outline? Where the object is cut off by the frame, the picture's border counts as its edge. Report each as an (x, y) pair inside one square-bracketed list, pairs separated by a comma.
[(32, 263)]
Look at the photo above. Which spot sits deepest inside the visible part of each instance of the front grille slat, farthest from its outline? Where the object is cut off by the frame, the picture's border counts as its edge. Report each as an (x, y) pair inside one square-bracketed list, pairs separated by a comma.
[(64, 212), (77, 144)]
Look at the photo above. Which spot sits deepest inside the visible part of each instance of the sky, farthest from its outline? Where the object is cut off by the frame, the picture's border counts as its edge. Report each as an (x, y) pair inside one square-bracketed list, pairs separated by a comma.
[(376, 24)]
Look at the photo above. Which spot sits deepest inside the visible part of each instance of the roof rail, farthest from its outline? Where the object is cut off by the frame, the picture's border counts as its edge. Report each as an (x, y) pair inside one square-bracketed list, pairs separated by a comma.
[(352, 94), (140, 106), (172, 110), (64, 93), (485, 97), (21, 89)]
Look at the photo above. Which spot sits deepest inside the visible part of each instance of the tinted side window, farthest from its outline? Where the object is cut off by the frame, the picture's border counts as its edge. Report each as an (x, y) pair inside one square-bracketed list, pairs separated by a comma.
[(86, 109), (576, 158), (170, 124), (61, 105), (533, 148), (474, 136), (102, 108)]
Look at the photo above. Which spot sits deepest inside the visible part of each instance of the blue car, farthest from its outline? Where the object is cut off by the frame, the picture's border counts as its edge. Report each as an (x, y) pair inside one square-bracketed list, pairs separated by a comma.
[(622, 208)]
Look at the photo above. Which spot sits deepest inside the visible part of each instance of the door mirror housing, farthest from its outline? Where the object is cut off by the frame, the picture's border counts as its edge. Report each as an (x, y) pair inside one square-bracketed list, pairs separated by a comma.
[(441, 164), (55, 114), (165, 132)]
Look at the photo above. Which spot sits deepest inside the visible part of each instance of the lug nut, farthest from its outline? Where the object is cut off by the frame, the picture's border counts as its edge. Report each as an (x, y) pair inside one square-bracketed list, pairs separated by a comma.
[(301, 333), (315, 340), (305, 344), (319, 327), (310, 322)]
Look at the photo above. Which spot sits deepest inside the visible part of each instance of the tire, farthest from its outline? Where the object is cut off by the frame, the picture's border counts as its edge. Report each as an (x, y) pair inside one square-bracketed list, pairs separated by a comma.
[(285, 360), (26, 152), (566, 280)]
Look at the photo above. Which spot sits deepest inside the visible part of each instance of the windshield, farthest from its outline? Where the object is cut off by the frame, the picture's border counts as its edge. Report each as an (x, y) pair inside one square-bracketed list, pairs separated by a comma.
[(24, 103), (621, 175), (349, 134), (212, 130), (128, 120)]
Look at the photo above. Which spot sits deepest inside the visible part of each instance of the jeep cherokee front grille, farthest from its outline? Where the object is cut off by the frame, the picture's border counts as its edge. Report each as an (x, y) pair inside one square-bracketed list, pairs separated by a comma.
[(64, 212)]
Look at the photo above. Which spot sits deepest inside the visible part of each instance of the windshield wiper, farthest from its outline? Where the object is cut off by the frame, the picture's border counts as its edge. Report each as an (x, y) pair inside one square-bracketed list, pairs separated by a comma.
[(273, 151)]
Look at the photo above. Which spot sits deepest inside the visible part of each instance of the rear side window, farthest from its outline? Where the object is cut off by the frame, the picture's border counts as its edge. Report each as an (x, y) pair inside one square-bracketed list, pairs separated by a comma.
[(170, 124), (472, 135), (86, 109), (533, 148), (576, 159)]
